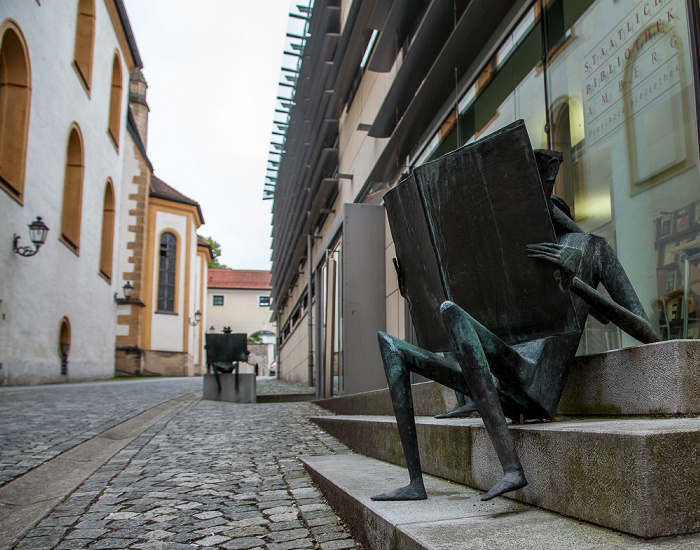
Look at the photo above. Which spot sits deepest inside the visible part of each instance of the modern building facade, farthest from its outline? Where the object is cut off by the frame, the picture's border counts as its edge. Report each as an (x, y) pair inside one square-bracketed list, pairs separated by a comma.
[(375, 88)]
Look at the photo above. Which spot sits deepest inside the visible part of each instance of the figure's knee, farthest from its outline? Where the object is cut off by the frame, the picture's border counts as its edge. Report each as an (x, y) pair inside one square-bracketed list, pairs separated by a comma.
[(388, 346), (452, 315)]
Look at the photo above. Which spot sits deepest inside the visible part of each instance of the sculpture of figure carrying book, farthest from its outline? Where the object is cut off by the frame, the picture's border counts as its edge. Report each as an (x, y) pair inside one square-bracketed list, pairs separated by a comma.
[(500, 280)]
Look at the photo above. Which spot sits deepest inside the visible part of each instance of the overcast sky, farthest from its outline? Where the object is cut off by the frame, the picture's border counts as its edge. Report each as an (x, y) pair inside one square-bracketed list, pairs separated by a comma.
[(212, 69)]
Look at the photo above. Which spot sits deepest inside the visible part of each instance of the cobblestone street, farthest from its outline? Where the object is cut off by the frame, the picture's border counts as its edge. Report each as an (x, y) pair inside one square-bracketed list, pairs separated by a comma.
[(208, 475)]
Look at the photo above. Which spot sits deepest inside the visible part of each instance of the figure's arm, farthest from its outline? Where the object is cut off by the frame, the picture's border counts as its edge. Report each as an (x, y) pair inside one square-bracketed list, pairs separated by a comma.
[(633, 324), (568, 259)]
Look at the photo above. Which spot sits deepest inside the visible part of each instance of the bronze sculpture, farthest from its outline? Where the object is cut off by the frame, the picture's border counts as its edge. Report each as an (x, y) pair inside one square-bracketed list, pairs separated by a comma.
[(509, 359)]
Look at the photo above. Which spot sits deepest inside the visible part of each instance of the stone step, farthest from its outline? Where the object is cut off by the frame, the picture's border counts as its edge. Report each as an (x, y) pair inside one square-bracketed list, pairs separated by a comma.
[(284, 397), (453, 517), (639, 476), (654, 379)]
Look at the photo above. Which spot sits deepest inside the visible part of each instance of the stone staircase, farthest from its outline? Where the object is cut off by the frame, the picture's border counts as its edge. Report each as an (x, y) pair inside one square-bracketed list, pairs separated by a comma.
[(623, 455)]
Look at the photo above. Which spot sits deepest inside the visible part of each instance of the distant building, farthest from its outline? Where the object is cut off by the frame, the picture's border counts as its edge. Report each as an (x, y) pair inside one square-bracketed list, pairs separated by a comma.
[(240, 299)]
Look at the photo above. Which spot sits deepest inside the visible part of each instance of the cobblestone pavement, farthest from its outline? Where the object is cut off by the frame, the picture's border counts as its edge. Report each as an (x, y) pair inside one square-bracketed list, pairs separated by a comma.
[(209, 475), (38, 423)]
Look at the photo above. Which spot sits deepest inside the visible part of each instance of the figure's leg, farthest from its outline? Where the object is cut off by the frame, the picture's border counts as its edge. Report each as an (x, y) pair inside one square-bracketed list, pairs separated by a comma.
[(475, 366), (399, 359)]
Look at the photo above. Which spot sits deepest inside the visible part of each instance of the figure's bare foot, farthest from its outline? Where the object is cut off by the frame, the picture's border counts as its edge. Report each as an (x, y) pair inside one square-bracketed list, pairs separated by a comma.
[(510, 482), (413, 491), (460, 412)]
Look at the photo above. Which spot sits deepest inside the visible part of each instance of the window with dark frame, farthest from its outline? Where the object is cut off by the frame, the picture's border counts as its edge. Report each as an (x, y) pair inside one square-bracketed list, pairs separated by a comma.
[(217, 300), (166, 273), (264, 301)]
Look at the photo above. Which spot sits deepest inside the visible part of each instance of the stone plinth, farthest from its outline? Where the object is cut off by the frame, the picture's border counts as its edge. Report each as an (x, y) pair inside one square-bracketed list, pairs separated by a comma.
[(235, 388)]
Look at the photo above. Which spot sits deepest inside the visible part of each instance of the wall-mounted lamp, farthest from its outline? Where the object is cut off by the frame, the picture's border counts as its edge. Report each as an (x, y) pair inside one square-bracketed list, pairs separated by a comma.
[(37, 233), (128, 290), (197, 318)]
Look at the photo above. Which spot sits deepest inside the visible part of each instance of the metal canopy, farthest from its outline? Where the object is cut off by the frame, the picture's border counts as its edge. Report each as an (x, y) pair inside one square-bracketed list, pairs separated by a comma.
[(394, 31), (475, 27), (432, 33), (309, 155)]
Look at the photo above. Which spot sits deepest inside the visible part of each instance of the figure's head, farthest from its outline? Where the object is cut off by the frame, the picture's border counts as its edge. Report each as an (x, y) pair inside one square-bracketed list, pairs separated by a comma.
[(548, 163)]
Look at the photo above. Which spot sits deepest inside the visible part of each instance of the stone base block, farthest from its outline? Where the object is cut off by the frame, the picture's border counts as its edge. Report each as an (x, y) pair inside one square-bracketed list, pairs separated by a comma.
[(654, 379), (639, 476), (238, 388)]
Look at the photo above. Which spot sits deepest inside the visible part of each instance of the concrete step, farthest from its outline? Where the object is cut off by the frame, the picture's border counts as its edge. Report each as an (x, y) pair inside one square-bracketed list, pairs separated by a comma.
[(453, 517), (284, 397), (639, 476), (654, 379)]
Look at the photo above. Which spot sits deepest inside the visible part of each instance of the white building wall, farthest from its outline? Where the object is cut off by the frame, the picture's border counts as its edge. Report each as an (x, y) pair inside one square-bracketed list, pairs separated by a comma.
[(240, 311), (37, 292), (167, 328), (196, 334)]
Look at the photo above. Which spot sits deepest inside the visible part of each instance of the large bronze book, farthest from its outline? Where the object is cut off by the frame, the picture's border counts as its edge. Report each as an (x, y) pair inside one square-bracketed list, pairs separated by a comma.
[(461, 225)]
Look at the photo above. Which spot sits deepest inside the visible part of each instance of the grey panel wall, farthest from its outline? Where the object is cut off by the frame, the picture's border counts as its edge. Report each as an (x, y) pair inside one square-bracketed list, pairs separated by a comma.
[(363, 296)]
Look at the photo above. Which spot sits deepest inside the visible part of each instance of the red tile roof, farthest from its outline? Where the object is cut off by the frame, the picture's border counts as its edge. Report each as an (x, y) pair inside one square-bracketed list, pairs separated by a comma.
[(239, 278)]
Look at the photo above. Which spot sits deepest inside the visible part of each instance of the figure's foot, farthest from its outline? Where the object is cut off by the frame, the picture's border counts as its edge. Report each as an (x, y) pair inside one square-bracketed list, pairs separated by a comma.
[(460, 412), (510, 482), (413, 491)]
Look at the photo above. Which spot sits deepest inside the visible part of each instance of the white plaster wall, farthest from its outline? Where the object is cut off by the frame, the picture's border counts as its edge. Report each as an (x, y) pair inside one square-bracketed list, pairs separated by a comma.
[(240, 311), (199, 304), (167, 329), (35, 293)]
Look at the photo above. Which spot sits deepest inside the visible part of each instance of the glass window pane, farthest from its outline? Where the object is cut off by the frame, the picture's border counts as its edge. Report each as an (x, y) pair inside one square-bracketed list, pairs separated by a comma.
[(622, 111)]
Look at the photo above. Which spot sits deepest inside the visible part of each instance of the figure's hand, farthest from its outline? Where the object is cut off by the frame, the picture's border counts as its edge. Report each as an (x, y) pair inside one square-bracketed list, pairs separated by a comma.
[(568, 259)]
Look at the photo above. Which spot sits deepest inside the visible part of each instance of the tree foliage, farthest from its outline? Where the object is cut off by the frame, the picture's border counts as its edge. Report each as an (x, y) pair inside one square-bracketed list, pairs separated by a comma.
[(215, 253)]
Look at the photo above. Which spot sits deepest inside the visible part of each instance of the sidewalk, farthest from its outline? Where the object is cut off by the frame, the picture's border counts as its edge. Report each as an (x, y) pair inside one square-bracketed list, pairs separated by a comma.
[(206, 475)]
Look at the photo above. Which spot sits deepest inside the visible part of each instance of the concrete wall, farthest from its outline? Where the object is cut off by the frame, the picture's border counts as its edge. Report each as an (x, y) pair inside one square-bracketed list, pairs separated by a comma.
[(37, 292), (294, 355)]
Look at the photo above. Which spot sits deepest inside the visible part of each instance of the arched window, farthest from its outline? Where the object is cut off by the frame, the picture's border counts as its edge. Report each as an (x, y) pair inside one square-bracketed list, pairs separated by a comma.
[(73, 191), (15, 94), (84, 39), (64, 338), (167, 272), (115, 101), (107, 246)]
